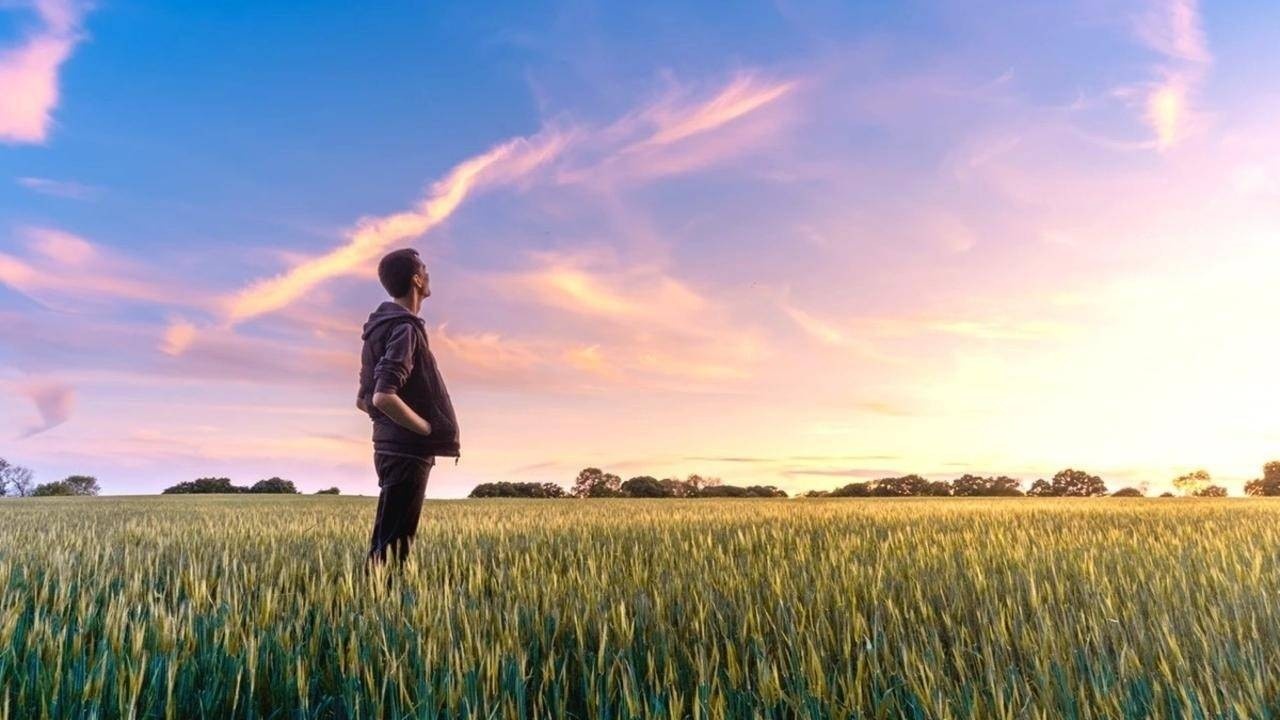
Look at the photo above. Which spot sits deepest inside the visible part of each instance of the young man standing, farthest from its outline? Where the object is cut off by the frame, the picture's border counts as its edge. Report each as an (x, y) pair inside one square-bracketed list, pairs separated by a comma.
[(404, 394)]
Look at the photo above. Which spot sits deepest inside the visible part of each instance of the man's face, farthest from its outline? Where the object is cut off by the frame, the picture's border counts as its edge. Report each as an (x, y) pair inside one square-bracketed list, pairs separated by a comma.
[(425, 279)]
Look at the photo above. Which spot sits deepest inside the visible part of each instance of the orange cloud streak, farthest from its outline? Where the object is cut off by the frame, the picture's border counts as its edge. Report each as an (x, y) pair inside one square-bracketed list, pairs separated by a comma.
[(504, 163), (743, 96)]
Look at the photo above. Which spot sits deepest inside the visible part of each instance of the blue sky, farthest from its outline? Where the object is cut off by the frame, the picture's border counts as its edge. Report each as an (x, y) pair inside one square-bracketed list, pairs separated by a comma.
[(793, 244)]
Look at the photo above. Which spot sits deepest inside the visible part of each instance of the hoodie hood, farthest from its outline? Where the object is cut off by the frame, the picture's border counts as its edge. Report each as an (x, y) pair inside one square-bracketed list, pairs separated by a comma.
[(388, 312)]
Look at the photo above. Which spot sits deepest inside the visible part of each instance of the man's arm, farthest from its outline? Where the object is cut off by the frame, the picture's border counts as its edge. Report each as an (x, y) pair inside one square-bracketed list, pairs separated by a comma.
[(390, 374), (393, 407)]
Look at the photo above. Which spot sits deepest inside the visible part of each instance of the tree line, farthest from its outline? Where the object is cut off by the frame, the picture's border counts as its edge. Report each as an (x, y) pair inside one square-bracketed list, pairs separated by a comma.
[(594, 483), (216, 485), (18, 481)]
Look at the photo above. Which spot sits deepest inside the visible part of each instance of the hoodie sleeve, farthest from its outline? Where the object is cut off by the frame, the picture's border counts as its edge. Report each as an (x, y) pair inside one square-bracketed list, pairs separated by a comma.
[(397, 361), (366, 374)]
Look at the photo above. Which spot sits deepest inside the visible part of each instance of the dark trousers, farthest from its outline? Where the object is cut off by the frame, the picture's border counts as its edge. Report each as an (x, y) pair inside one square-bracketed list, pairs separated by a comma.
[(404, 482)]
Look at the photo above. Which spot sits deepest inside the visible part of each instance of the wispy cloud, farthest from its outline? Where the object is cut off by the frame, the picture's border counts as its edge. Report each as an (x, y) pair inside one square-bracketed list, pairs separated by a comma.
[(58, 188), (503, 164), (682, 131), (488, 357), (591, 283), (636, 323), (29, 70), (53, 401), (61, 268), (675, 120), (842, 472), (581, 154), (178, 336), (1173, 29), (861, 332)]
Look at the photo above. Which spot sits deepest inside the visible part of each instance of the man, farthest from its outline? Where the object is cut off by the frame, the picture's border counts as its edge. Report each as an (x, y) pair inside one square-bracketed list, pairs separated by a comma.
[(404, 394)]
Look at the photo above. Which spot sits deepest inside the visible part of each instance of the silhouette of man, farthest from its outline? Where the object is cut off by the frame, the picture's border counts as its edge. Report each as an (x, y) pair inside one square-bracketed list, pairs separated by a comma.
[(404, 395)]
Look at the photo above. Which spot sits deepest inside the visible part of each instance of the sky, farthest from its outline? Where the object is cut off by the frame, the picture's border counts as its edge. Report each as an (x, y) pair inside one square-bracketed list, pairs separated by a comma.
[(799, 244)]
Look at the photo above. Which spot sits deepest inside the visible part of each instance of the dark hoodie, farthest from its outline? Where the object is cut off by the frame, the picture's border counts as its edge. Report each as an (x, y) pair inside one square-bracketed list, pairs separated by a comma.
[(396, 359)]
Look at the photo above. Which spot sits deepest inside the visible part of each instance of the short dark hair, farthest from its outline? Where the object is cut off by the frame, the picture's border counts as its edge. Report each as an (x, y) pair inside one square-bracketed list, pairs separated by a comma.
[(396, 271)]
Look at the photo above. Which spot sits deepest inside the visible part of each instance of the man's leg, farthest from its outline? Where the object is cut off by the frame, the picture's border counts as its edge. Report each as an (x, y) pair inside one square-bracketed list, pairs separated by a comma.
[(399, 505), (377, 554)]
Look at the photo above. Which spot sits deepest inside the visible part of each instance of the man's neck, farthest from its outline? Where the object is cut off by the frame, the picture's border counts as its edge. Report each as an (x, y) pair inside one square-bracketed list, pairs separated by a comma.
[(412, 302)]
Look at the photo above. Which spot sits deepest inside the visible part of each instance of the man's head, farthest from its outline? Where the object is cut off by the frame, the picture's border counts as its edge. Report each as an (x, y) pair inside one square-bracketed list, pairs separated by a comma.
[(402, 272)]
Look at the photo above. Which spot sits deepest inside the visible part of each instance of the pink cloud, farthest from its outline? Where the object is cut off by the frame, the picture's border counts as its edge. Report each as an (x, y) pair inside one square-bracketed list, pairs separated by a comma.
[(488, 357), (63, 267), (178, 336), (29, 72), (53, 400), (60, 246)]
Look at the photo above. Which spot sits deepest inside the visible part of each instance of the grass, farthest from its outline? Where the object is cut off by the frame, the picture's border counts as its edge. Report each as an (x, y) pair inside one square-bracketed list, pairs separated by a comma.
[(188, 607)]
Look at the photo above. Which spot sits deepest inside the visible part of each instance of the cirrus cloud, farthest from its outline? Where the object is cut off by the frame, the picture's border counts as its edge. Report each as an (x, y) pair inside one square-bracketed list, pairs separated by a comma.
[(29, 70)]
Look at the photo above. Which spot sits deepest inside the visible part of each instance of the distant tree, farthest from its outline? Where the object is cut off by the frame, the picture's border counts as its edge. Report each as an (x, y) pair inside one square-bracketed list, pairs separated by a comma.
[(1268, 484), (975, 486), (15, 479), (853, 489), (1212, 491), (765, 491), (938, 488), (610, 486), (274, 485), (203, 486), (594, 482), (1005, 486), (752, 491), (696, 483), (969, 486), (1192, 482), (677, 487), (53, 489), (73, 485), (722, 491), (1040, 488), (330, 491), (82, 484), (1127, 492), (644, 486), (816, 493), (899, 486), (552, 490), (1077, 483), (517, 490), (1167, 494)]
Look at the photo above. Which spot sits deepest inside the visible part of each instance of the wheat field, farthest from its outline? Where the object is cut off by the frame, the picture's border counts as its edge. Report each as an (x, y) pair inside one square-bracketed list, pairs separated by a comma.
[(256, 607)]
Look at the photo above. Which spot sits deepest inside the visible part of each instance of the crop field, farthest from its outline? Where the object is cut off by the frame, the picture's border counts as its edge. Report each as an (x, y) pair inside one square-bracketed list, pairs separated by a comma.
[(233, 606)]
